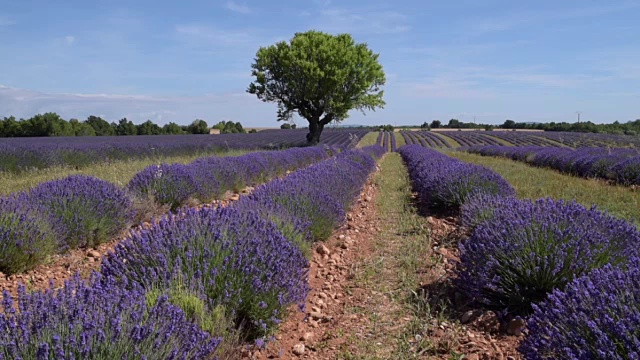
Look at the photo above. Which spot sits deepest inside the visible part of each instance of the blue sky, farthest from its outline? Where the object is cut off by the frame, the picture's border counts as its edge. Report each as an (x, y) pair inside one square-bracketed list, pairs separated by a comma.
[(177, 61)]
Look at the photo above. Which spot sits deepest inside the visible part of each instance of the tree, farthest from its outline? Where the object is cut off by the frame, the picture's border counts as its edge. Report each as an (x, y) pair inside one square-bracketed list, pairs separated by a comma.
[(173, 129), (509, 124), (47, 124), (125, 127), (285, 126), (100, 126), (454, 123), (229, 127), (10, 127), (435, 124), (81, 128), (198, 126), (424, 125), (319, 76), (149, 128)]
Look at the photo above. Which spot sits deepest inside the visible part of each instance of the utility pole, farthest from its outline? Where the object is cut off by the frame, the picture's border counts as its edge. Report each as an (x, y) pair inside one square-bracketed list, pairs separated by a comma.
[(578, 112)]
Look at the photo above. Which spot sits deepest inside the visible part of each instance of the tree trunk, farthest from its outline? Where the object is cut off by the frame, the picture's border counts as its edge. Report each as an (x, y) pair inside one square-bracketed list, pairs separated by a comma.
[(315, 129)]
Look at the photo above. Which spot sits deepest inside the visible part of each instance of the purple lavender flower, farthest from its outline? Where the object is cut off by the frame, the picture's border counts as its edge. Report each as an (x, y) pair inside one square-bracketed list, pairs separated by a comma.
[(26, 238), (237, 260), (83, 210), (446, 183), (98, 320), (527, 249), (595, 317)]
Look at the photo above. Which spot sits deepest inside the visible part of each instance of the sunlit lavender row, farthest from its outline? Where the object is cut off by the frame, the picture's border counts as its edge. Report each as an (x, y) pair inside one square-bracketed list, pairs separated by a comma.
[(19, 154), (178, 289), (568, 271)]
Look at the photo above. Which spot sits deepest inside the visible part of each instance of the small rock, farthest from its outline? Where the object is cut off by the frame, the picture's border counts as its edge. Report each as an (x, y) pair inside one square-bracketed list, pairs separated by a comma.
[(341, 237), (315, 309), (367, 198), (515, 327), (93, 254), (306, 336), (323, 250), (298, 349), (471, 357), (510, 358), (322, 295), (235, 197), (469, 316), (488, 322), (315, 315)]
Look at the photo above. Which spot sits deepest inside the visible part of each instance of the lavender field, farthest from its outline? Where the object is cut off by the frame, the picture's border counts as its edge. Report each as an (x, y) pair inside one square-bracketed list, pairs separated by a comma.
[(455, 139), (202, 274), (20, 154)]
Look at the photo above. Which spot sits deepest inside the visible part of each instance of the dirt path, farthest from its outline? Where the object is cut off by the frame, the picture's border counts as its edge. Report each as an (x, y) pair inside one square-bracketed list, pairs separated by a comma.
[(381, 288)]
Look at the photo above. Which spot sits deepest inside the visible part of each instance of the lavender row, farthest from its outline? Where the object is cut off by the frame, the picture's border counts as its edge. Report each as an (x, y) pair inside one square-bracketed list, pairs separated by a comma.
[(82, 211), (174, 290), (209, 178), (445, 183), (570, 271), (394, 147), (619, 165), (557, 264), (37, 153)]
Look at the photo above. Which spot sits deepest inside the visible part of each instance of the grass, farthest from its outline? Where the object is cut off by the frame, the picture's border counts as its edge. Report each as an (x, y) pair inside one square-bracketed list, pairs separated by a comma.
[(400, 141), (117, 172), (393, 271), (499, 140), (447, 139), (534, 182), (370, 139)]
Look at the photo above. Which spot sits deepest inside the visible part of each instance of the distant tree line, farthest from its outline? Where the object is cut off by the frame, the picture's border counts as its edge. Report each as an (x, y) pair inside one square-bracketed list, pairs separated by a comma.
[(628, 128), (51, 124)]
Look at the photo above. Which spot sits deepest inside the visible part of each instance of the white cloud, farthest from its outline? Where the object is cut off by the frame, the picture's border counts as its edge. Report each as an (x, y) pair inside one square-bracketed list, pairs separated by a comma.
[(243, 107), (369, 21), (215, 36), (236, 7)]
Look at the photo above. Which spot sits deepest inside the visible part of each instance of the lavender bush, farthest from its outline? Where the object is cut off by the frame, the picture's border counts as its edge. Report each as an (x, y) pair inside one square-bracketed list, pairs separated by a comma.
[(595, 317), (234, 259), (620, 165), (313, 200), (446, 183), (167, 184), (97, 321), (26, 238), (83, 210), (523, 252), (210, 178), (482, 207)]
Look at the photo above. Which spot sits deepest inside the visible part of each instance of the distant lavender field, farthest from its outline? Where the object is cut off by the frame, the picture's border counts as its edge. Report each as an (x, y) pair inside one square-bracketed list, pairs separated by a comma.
[(19, 154), (520, 138)]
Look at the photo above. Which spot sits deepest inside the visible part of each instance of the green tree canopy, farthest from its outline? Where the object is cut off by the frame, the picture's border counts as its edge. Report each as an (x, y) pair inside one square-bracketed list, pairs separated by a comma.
[(149, 128), (173, 129), (319, 76), (125, 127), (81, 128), (435, 124), (509, 124), (198, 126), (100, 126)]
